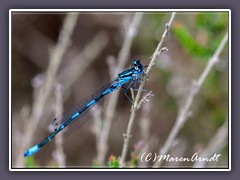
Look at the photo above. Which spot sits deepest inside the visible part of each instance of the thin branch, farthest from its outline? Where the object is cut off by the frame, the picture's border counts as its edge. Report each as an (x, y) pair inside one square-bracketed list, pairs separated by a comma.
[(113, 98), (79, 64), (185, 111), (130, 34), (144, 99), (215, 145), (112, 66), (145, 124), (59, 152), (40, 101), (136, 102), (96, 114)]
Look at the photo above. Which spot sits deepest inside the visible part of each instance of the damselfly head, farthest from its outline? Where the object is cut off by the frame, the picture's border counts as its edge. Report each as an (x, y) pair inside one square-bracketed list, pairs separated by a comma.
[(136, 62), (138, 66)]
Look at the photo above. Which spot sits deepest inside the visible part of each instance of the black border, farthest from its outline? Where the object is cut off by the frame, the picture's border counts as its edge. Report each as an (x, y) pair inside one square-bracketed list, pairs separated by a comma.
[(122, 169)]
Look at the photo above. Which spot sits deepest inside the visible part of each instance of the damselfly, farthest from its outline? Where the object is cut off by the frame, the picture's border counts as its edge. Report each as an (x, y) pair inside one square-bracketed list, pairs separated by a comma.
[(129, 76)]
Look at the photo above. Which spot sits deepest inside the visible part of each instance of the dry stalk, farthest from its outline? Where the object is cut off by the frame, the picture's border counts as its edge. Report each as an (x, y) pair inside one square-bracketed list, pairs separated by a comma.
[(184, 112), (40, 101), (215, 145), (158, 50), (113, 98), (59, 152)]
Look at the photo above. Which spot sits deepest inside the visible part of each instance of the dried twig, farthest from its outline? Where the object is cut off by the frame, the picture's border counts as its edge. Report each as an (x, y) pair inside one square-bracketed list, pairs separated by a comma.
[(215, 145), (145, 124), (76, 67), (45, 91), (113, 98), (144, 99), (59, 152), (97, 117), (158, 50), (185, 111)]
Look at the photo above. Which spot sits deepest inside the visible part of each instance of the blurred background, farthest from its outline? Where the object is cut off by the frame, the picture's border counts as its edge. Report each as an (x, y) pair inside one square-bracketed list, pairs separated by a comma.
[(89, 56)]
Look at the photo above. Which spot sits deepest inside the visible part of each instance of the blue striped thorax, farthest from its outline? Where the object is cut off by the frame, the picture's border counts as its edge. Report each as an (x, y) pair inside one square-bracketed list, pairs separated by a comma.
[(134, 71)]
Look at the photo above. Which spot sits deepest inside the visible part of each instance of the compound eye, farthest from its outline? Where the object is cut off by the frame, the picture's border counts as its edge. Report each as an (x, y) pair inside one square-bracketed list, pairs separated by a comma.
[(136, 62)]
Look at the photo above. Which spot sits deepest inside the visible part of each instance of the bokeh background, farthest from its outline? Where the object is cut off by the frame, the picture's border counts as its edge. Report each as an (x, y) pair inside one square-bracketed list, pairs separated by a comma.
[(89, 62)]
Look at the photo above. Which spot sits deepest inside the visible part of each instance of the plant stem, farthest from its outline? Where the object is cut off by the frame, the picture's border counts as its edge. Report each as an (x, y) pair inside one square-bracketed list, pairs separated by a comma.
[(137, 99), (113, 99), (184, 112), (45, 91)]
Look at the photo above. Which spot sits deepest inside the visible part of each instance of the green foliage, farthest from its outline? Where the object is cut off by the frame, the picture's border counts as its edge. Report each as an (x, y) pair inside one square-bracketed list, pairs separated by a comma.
[(134, 162), (214, 23), (30, 162), (113, 162), (202, 43), (190, 43)]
